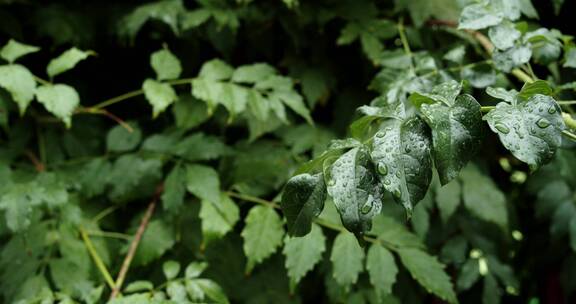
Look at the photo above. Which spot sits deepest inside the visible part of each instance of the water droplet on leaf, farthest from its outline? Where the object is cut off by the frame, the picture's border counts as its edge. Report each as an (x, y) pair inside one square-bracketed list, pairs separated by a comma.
[(542, 123), (502, 128), (382, 168)]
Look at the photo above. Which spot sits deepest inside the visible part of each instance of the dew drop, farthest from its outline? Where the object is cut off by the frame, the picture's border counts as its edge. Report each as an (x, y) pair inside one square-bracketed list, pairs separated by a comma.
[(407, 149), (331, 182), (382, 169), (381, 134), (552, 110), (502, 128), (367, 207), (542, 123), (397, 193), (387, 182), (398, 174)]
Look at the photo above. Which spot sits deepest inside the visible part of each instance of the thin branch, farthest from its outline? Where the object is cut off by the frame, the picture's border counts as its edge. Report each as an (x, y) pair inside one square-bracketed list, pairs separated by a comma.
[(487, 109), (110, 234), (97, 260), (567, 102), (570, 135), (108, 114), (402, 33), (134, 245), (35, 161)]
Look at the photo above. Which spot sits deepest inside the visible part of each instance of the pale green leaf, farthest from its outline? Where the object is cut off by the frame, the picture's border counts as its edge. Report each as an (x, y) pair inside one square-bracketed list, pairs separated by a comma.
[(171, 269), (60, 100), (139, 286), (203, 182), (347, 259), (66, 61), (382, 269), (14, 50), (262, 235), (216, 69), (218, 217), (165, 64), (253, 73), (156, 240), (160, 95), (504, 35), (302, 253), (212, 290), (428, 272), (20, 83)]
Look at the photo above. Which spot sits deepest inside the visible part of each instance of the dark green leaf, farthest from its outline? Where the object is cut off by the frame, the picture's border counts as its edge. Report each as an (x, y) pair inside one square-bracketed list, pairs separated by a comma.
[(303, 200), (347, 259)]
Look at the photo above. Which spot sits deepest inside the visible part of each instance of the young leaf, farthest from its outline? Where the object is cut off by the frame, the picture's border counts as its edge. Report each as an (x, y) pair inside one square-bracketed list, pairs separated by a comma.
[(66, 61), (170, 269), (302, 253), (382, 269), (504, 35), (218, 218), (353, 186), (478, 16), (60, 100), (195, 269), (20, 83), (303, 200), (401, 153), (530, 89), (14, 50), (428, 272), (513, 57), (160, 95), (203, 182), (347, 259), (253, 73), (212, 290), (482, 197), (456, 134), (262, 235), (530, 129), (165, 64)]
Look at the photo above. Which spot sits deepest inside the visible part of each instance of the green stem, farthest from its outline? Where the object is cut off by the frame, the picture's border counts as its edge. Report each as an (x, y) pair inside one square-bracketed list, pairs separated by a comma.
[(42, 81), (570, 135), (131, 94), (566, 102), (109, 234), (569, 121), (102, 214), (97, 260), (522, 75), (402, 33), (487, 109)]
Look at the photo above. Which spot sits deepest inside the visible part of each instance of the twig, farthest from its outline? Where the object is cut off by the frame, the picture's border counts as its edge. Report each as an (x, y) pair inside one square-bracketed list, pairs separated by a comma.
[(97, 260), (37, 163), (134, 245), (106, 113)]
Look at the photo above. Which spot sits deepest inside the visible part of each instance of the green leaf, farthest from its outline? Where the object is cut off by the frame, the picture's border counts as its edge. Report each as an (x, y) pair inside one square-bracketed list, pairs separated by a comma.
[(504, 35), (530, 129), (302, 253), (216, 69), (212, 290), (513, 57), (445, 92), (546, 45), (20, 83), (203, 182), (483, 198), (354, 188), (218, 218), (139, 286), (469, 274), (165, 64), (478, 16), (262, 235), (448, 199), (174, 189), (570, 58), (394, 233), (303, 200), (347, 259), (537, 87), (66, 61), (170, 269), (501, 93), (572, 230), (194, 18), (166, 11), (456, 134), (119, 139), (14, 50), (160, 95), (253, 73), (382, 269), (156, 240), (195, 269), (401, 154), (133, 177), (428, 272), (295, 102), (189, 112), (60, 100)]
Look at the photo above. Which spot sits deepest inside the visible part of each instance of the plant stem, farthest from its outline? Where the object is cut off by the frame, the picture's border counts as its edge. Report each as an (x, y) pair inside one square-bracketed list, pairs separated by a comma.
[(569, 121), (570, 135), (97, 260), (522, 76), (132, 249), (402, 33), (110, 234), (567, 102), (487, 109), (104, 213), (131, 94)]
